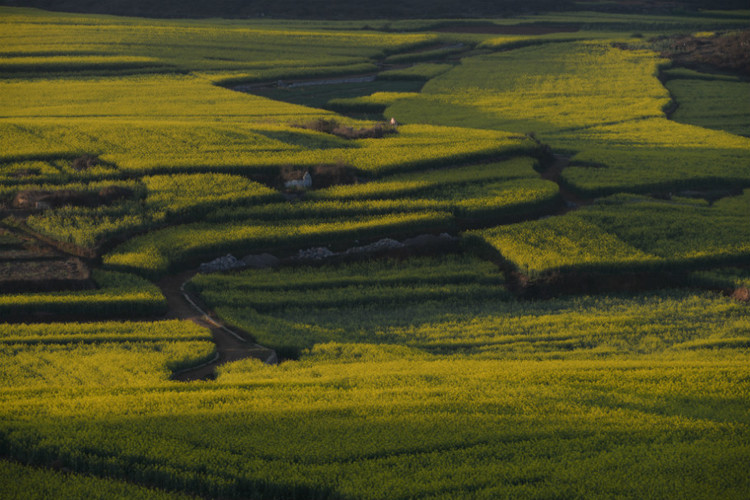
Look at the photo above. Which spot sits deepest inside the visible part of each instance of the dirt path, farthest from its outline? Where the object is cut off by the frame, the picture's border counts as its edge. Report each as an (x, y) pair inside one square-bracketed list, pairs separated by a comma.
[(231, 344), (553, 173)]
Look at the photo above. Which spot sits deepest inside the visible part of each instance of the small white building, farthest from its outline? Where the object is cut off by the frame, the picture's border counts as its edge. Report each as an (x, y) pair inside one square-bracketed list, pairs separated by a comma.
[(304, 183)]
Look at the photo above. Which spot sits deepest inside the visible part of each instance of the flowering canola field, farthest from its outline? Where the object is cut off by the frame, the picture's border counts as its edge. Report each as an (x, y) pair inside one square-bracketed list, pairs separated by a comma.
[(408, 376)]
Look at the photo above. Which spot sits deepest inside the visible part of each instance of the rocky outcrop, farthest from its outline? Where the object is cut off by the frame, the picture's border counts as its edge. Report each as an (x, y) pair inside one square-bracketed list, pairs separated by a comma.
[(261, 261), (379, 246), (226, 263), (315, 254), (419, 245)]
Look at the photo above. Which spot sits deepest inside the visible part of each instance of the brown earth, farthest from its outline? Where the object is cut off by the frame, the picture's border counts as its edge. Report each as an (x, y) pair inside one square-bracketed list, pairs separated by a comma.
[(323, 176), (29, 265), (741, 294), (724, 51), (576, 282), (44, 275)]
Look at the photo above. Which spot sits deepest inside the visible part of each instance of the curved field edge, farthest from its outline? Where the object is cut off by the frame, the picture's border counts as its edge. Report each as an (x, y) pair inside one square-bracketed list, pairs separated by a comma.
[(457, 304), (628, 233), (159, 252)]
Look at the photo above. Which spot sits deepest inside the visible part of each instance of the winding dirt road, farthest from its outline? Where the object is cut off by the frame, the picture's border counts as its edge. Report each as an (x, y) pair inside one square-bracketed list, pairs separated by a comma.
[(553, 172), (231, 344)]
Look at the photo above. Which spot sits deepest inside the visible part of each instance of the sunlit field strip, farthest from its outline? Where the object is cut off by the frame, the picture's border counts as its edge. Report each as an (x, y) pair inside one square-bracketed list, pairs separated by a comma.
[(420, 378), (193, 45), (99, 354), (159, 252), (117, 295), (629, 233)]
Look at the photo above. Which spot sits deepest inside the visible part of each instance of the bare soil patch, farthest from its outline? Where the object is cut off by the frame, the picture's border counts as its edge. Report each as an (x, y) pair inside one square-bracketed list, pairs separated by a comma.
[(575, 283), (724, 51), (31, 199), (86, 162), (47, 275), (741, 294), (28, 265)]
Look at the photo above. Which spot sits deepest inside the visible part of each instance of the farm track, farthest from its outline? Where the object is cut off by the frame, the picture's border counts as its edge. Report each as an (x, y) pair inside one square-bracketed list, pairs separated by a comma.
[(552, 172), (231, 345)]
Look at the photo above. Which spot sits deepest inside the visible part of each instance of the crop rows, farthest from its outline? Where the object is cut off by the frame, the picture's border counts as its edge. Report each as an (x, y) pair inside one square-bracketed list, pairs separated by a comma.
[(673, 375), (118, 295), (99, 354), (454, 304), (628, 232), (154, 201)]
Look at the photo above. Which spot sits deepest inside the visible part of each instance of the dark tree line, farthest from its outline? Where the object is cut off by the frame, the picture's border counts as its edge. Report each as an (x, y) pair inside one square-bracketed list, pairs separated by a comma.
[(304, 9)]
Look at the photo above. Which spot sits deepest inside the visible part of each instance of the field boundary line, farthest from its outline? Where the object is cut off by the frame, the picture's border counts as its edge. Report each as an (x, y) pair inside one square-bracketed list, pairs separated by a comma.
[(207, 317), (216, 358)]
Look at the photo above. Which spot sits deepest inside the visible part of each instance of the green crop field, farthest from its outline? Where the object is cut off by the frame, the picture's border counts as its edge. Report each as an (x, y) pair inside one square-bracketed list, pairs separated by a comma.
[(629, 231), (225, 273), (717, 103), (117, 295)]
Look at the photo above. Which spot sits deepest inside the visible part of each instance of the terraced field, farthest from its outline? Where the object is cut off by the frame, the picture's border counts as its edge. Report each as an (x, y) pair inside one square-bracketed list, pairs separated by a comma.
[(531, 283)]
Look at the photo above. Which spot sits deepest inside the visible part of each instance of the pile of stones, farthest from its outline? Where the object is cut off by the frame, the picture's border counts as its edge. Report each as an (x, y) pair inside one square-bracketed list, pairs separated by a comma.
[(319, 254)]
